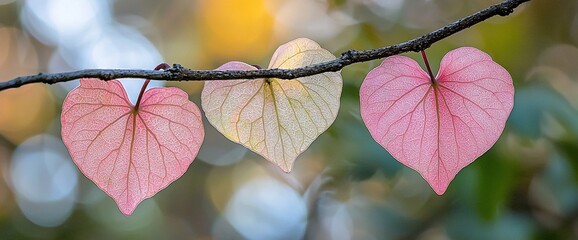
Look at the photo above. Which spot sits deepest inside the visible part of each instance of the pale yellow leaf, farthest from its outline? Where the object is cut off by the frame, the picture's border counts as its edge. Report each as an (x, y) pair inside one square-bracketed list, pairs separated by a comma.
[(278, 119)]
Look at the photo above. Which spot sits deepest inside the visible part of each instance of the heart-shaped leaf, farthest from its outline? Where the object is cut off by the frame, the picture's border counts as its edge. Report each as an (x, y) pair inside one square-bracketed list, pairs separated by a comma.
[(130, 153), (275, 118), (437, 127)]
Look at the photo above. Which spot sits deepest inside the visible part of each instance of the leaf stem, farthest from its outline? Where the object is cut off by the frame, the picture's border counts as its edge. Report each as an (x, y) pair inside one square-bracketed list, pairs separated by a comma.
[(431, 76), (162, 66)]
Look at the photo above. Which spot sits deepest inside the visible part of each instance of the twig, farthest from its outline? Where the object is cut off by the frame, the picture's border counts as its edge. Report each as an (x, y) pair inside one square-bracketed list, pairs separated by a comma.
[(179, 73)]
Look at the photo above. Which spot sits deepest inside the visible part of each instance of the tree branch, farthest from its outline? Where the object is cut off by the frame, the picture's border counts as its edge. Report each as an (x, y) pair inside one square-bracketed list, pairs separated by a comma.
[(179, 73)]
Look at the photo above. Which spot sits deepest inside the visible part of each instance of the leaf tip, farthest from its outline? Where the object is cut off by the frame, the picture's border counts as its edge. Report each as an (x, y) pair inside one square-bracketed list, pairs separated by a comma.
[(127, 210), (439, 186), (286, 168), (127, 207), (440, 189), (283, 164)]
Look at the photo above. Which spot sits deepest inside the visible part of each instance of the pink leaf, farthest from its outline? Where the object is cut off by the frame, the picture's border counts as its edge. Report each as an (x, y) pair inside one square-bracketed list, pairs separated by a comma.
[(275, 118), (437, 128), (131, 154)]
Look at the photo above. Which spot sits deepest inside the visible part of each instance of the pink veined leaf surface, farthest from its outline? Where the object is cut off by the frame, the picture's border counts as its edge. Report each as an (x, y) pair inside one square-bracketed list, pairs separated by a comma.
[(131, 154), (437, 128), (278, 119)]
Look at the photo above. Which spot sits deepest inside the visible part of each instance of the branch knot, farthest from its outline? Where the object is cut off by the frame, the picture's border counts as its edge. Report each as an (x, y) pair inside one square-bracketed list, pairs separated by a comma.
[(505, 11)]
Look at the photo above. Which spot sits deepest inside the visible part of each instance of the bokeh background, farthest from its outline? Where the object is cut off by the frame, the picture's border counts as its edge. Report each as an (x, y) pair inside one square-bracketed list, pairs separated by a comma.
[(345, 186)]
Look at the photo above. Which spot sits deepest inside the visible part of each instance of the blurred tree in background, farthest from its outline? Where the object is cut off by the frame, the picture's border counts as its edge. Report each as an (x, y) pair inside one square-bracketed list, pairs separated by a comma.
[(345, 186)]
